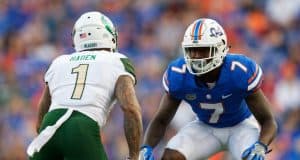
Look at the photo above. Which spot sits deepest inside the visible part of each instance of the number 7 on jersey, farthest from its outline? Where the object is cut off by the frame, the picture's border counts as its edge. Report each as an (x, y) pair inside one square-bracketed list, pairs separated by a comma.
[(81, 73)]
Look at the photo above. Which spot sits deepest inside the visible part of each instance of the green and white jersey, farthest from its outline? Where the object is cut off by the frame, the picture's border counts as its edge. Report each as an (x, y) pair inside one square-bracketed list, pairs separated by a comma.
[(85, 81)]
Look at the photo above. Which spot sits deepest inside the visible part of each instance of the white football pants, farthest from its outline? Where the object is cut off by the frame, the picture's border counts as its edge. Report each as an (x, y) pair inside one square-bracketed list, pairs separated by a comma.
[(199, 141)]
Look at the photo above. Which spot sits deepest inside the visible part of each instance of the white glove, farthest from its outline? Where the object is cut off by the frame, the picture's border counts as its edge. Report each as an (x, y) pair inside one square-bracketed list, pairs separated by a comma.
[(257, 151), (146, 153)]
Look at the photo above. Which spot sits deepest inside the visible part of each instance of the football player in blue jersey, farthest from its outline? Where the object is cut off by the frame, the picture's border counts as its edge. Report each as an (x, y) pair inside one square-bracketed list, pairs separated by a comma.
[(223, 89)]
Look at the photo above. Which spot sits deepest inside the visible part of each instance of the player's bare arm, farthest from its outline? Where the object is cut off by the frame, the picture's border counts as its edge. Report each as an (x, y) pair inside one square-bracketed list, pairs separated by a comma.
[(43, 106), (260, 107), (157, 127), (125, 94)]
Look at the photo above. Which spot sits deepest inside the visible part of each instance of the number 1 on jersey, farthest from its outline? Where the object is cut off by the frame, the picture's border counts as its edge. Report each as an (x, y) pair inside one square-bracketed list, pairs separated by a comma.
[(81, 72)]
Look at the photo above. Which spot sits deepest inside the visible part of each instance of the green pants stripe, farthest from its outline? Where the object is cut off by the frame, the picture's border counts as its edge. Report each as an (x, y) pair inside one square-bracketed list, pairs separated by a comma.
[(77, 139)]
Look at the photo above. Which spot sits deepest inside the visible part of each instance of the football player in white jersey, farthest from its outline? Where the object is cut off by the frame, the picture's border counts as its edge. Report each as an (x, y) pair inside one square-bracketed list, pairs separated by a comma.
[(80, 91), (223, 90)]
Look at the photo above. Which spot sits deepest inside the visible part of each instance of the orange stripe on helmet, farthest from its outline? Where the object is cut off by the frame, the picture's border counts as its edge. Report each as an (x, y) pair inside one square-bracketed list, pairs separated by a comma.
[(193, 31), (200, 30)]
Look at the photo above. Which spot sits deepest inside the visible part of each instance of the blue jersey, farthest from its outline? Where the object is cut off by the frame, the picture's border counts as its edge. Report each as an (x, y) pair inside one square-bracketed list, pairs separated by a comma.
[(224, 104)]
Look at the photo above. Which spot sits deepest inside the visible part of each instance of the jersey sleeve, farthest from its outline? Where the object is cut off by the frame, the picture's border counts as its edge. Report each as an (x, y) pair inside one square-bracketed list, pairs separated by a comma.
[(252, 76), (165, 80), (49, 73), (129, 68), (126, 68), (173, 78), (255, 79)]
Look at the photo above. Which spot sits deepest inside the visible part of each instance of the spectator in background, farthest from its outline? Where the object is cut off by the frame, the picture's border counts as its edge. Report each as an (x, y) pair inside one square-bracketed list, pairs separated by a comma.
[(287, 90)]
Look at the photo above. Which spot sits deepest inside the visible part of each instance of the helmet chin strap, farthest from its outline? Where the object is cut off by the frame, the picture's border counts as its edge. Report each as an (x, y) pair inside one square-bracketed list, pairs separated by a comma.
[(204, 69)]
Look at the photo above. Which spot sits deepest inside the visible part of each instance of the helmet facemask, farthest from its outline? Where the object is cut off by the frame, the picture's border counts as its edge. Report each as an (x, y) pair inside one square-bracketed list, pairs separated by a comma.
[(198, 66)]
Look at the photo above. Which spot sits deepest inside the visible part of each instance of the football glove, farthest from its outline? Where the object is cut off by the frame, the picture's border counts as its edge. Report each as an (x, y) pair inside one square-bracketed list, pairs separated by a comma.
[(257, 151), (146, 153)]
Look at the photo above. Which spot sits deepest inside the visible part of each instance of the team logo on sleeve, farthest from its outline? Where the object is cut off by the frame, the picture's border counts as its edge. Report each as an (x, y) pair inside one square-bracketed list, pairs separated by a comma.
[(190, 97)]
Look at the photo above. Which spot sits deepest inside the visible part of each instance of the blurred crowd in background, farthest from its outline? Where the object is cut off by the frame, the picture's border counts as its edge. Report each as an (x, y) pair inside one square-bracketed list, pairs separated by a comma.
[(33, 33)]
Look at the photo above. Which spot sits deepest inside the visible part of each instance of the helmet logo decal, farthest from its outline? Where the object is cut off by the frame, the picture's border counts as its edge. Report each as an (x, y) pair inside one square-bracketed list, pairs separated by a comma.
[(197, 29), (107, 27), (215, 32)]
